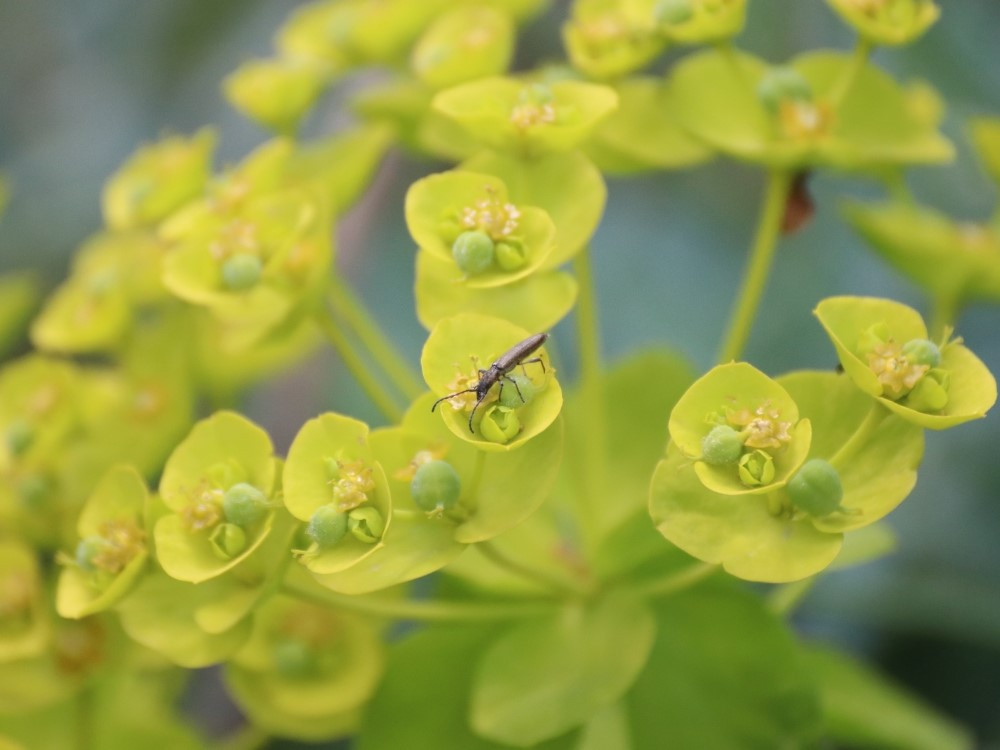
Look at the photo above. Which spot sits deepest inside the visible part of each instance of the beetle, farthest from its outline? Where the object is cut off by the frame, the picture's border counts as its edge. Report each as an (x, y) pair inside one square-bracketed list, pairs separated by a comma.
[(499, 370)]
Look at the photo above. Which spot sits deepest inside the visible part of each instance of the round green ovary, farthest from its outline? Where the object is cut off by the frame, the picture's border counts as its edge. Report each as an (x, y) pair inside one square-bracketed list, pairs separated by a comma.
[(722, 446), (87, 551), (435, 486), (672, 12), (816, 488), (520, 392), (473, 252), (244, 504), (327, 526), (781, 84), (293, 659), (922, 352), (241, 272)]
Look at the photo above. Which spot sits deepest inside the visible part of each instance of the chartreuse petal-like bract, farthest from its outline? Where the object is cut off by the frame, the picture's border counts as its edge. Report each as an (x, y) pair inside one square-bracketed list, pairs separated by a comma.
[(24, 613), (605, 41), (157, 179), (456, 350), (113, 547), (775, 441), (723, 101), (443, 209), (197, 541), (521, 116), (463, 44), (875, 338), (277, 92), (888, 22), (305, 670), (331, 469)]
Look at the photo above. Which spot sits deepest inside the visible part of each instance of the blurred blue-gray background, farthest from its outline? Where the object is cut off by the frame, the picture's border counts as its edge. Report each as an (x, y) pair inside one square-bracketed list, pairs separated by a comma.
[(83, 82)]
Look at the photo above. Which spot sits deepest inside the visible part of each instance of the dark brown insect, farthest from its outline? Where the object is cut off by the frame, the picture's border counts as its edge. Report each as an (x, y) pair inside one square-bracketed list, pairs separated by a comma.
[(499, 370)]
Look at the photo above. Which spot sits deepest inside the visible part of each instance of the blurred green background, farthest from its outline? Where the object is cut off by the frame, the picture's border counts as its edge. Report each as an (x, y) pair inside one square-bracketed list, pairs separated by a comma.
[(83, 82)]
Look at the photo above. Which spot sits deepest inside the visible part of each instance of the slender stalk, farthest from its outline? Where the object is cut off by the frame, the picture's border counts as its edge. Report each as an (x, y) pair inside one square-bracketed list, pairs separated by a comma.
[(894, 180), (783, 599), (347, 305), (592, 473), (674, 582), (869, 424), (843, 86), (535, 575), (759, 266), (945, 310), (423, 610), (352, 360), (84, 710)]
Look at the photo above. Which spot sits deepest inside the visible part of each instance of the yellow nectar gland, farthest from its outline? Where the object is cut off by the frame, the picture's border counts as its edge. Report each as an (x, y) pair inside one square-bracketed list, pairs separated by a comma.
[(433, 453), (763, 427), (490, 215), (895, 372), (204, 513), (530, 114), (125, 541), (463, 381), (238, 236), (802, 119), (352, 484)]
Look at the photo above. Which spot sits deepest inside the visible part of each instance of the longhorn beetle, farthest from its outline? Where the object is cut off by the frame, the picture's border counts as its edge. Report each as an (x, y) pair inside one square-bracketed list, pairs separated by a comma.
[(498, 372)]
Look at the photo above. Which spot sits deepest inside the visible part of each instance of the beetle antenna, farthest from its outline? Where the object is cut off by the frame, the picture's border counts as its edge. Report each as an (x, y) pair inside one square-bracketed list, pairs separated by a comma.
[(452, 395)]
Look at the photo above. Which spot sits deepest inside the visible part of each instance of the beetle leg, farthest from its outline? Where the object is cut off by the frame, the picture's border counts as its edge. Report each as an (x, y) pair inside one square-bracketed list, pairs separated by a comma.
[(472, 414), (516, 387), (539, 360)]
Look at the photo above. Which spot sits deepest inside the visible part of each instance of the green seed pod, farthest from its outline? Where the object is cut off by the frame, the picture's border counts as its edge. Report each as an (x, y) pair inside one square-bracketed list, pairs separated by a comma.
[(241, 272), (244, 504), (673, 12), (228, 540), (293, 659), (721, 446), (88, 549), (922, 352), (521, 394), (500, 424), (19, 436), (782, 84), (756, 468), (473, 252), (435, 486), (366, 524), (510, 255), (816, 488), (327, 526)]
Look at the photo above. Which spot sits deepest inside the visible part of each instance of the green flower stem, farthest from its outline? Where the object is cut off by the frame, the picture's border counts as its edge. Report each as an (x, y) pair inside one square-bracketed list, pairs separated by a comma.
[(862, 51), (894, 180), (84, 715), (593, 470), (945, 309), (674, 582), (348, 306), (759, 267), (869, 424), (424, 610), (376, 392), (535, 575), (783, 599)]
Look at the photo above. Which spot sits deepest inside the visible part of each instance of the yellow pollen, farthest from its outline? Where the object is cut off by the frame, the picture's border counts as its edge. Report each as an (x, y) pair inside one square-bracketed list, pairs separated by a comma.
[(895, 372), (763, 426), (492, 216), (236, 237), (352, 484), (202, 514), (125, 541), (461, 382), (803, 119), (528, 114)]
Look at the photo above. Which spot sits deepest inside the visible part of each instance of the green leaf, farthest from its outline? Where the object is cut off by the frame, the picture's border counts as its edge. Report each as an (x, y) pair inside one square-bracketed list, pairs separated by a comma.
[(864, 709), (723, 674), (434, 701), (544, 678), (566, 185), (535, 303), (643, 133), (738, 531)]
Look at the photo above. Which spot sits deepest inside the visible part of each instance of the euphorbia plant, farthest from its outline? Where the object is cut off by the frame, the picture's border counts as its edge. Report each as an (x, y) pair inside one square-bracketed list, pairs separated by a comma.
[(572, 547)]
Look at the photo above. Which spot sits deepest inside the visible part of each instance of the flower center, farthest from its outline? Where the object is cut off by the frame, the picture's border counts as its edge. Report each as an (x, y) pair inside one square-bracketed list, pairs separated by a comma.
[(351, 483), (125, 541), (763, 427), (897, 374), (498, 219)]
